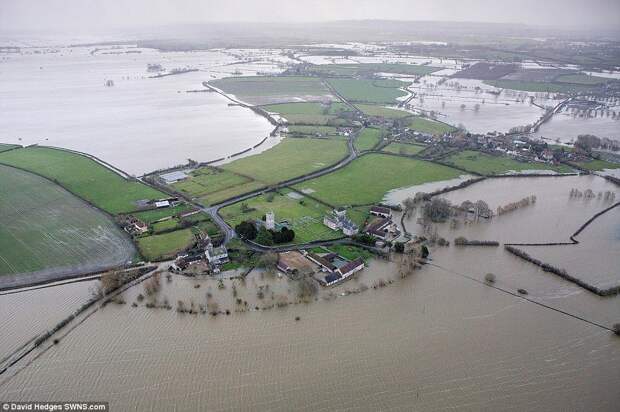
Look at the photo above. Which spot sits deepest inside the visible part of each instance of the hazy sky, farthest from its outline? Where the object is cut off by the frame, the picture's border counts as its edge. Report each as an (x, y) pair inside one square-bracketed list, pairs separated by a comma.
[(104, 14)]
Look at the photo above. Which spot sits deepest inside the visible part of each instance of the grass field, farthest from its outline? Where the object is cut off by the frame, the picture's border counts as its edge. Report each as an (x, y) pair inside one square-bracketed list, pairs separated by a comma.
[(488, 165), (367, 179), (83, 177), (208, 180), (539, 86), (312, 130), (598, 165), (423, 125), (367, 139), (150, 216), (273, 89), (44, 227), (381, 111), (290, 158), (165, 245), (5, 146), (404, 148), (372, 68), (351, 252), (581, 79), (305, 219), (369, 91), (310, 113)]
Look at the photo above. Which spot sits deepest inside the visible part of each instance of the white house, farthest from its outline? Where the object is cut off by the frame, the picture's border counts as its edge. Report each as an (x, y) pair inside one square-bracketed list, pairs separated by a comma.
[(216, 256)]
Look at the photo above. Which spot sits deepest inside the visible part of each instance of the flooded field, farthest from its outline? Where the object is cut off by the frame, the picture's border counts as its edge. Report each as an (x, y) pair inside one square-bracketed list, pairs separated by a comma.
[(595, 259), (538, 222), (440, 355), (61, 99), (26, 313), (565, 128)]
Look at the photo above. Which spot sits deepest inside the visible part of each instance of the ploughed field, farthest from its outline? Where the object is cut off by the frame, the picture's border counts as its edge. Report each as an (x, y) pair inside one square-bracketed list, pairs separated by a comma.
[(47, 230)]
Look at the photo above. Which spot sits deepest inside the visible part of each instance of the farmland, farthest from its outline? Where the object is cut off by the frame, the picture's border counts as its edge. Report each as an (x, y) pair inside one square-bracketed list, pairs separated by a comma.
[(368, 69), (420, 124), (310, 113), (369, 91), (290, 158), (403, 148), (370, 177), (485, 164), (45, 228), (367, 139), (581, 79), (166, 245), (208, 181), (304, 215), (82, 176), (4, 147), (312, 130), (381, 111), (272, 89)]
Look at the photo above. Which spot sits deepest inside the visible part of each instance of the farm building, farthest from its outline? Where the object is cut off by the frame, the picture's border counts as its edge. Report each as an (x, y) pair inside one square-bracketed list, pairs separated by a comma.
[(173, 177)]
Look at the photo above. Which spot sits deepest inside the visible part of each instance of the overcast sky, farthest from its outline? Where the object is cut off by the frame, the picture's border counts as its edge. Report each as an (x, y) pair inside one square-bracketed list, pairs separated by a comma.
[(69, 15)]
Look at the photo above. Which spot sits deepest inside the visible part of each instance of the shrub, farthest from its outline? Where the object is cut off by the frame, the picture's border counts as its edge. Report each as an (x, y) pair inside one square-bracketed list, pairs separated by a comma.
[(616, 328), (399, 247), (246, 230)]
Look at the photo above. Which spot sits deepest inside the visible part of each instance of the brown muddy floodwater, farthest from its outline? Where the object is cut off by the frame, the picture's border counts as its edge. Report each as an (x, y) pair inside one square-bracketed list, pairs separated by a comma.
[(437, 340)]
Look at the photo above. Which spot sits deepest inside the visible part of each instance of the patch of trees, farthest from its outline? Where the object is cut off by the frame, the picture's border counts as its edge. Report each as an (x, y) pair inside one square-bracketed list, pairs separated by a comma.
[(365, 239), (268, 237), (438, 209), (526, 201), (246, 230)]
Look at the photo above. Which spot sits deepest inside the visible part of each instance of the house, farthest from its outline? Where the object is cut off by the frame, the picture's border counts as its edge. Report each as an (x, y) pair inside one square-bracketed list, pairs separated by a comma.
[(350, 268), (382, 228), (135, 226), (216, 255), (381, 211), (325, 264), (338, 220)]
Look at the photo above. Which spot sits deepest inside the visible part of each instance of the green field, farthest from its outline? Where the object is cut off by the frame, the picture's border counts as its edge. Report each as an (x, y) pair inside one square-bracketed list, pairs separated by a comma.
[(366, 69), (44, 227), (581, 79), (5, 146), (420, 124), (598, 164), (290, 158), (539, 86), (305, 219), (273, 89), (311, 113), (150, 216), (485, 164), (404, 148), (369, 91), (209, 180), (165, 245), (367, 179), (380, 111), (367, 139), (83, 177), (312, 130), (351, 252)]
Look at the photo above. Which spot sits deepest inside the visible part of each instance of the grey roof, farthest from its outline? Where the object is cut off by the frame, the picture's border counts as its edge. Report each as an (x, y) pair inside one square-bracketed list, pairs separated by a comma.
[(173, 176)]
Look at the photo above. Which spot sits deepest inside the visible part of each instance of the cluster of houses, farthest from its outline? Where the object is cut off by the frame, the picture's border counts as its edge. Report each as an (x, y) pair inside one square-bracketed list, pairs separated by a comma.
[(381, 226), (204, 253), (327, 268)]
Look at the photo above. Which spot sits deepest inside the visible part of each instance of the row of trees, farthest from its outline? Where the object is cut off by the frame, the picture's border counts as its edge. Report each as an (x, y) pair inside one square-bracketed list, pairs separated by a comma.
[(247, 230), (526, 201)]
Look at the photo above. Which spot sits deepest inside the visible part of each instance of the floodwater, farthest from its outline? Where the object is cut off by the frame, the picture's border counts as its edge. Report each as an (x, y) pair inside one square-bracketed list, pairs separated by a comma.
[(433, 341), (564, 127), (27, 313), (58, 97), (439, 339)]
